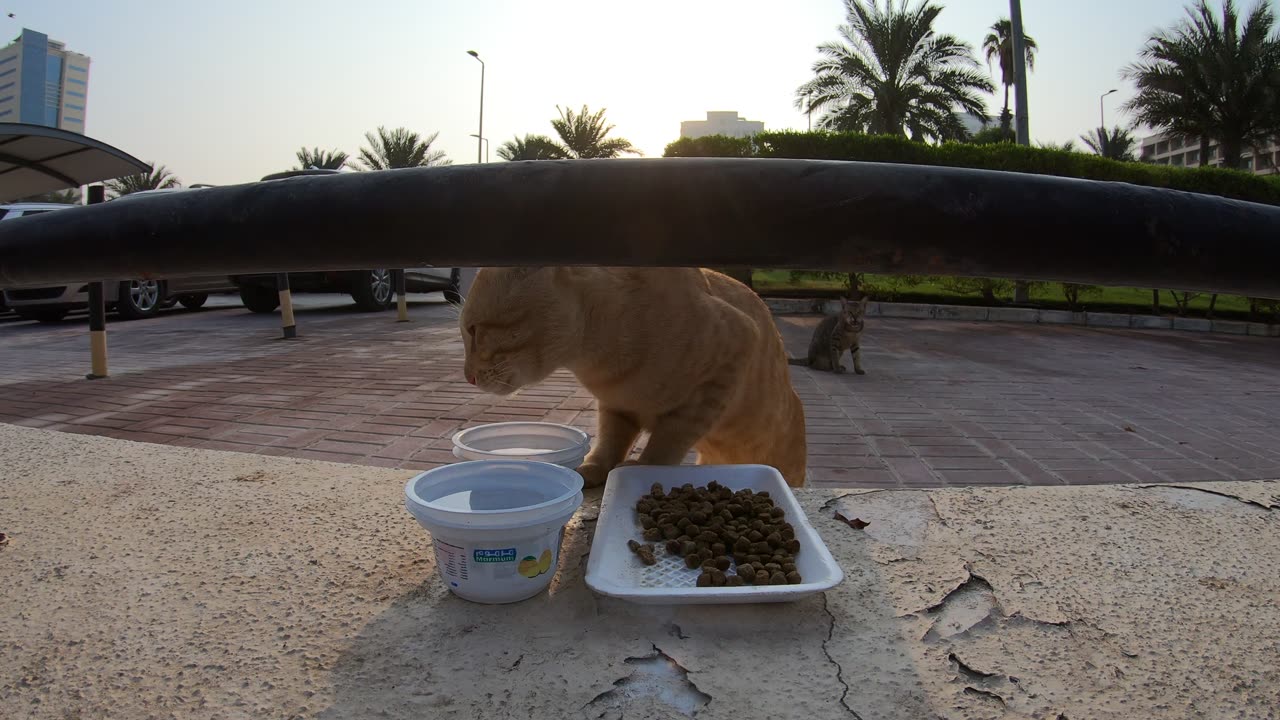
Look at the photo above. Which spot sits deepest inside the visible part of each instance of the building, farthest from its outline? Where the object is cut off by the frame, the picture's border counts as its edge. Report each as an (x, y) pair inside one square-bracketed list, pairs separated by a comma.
[(43, 83), (975, 124), (1167, 149), (721, 123)]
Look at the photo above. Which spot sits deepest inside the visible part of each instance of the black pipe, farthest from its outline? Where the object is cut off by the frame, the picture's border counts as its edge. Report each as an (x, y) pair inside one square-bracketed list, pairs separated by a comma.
[(669, 212)]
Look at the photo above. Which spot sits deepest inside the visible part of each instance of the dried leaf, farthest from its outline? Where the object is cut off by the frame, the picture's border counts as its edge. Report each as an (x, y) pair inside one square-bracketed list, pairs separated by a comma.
[(855, 523), (1128, 429)]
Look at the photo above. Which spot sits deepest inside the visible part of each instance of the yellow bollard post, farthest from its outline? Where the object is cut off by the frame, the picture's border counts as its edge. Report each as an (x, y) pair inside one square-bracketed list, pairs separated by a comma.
[(402, 302), (97, 310), (289, 329)]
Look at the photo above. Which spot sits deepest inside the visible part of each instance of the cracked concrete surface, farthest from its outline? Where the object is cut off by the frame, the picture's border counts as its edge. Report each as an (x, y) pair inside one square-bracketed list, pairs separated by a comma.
[(150, 581)]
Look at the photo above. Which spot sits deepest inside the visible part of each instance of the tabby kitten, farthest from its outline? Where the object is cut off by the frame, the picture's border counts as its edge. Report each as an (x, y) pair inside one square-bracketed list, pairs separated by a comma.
[(690, 356), (835, 335)]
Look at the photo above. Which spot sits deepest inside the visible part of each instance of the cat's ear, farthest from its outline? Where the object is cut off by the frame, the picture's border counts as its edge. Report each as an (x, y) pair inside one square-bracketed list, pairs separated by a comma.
[(865, 299), (844, 304)]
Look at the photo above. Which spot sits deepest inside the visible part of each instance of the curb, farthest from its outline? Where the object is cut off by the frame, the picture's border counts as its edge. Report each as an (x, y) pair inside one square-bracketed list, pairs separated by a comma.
[(972, 313)]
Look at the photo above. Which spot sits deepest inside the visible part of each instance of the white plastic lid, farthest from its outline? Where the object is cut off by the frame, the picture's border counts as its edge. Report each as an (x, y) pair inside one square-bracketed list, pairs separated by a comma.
[(544, 442), (493, 495)]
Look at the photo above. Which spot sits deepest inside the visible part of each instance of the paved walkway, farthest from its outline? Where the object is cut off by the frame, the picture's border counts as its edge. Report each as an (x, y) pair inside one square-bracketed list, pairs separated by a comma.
[(944, 403)]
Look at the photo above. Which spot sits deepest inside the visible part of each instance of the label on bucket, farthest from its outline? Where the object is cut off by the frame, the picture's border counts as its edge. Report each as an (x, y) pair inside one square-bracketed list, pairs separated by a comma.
[(494, 556), (497, 574)]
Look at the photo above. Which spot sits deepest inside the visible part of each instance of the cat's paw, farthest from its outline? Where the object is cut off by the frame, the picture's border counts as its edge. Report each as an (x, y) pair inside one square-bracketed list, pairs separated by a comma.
[(593, 474), (860, 371), (839, 369)]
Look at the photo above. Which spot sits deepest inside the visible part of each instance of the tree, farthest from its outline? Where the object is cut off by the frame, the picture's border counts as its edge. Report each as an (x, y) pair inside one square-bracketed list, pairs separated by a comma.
[(158, 178), (1212, 78), (531, 147), (999, 44), (582, 135), (400, 148), (321, 159), (892, 74), (1114, 144)]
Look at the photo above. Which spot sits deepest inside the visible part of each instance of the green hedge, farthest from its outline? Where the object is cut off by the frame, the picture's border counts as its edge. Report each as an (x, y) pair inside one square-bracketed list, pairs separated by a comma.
[(1001, 156)]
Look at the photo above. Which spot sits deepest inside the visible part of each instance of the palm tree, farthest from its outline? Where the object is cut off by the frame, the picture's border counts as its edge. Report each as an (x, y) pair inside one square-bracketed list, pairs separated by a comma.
[(400, 148), (158, 178), (582, 135), (531, 147), (1212, 78), (321, 159), (1115, 144), (892, 74), (999, 44)]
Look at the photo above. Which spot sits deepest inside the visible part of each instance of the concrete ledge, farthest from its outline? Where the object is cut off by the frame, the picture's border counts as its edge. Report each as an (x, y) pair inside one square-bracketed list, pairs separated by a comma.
[(793, 306), (1193, 324), (1150, 322), (907, 310), (1112, 320), (961, 312), (979, 313), (238, 585), (1019, 315), (1062, 317), (1230, 327)]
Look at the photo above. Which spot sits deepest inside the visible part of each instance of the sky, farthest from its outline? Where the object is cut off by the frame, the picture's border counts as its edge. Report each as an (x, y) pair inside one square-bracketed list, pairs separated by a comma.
[(226, 92)]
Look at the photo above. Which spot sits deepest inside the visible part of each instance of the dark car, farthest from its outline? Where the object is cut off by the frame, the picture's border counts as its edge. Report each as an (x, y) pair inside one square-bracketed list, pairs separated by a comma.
[(372, 289)]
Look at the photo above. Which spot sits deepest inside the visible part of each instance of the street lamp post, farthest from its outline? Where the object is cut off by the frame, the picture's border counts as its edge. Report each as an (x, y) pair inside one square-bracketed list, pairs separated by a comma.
[(1019, 72), (486, 146), (1102, 112), (1021, 291), (479, 133)]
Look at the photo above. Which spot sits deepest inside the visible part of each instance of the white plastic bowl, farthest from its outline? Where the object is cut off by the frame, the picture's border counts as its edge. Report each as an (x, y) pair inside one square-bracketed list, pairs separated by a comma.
[(496, 525), (545, 442)]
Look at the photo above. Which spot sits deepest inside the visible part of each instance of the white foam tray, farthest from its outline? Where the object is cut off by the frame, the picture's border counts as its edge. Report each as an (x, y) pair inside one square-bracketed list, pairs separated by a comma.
[(615, 571)]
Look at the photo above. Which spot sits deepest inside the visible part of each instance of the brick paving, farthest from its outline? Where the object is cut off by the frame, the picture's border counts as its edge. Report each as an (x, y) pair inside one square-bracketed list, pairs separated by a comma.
[(944, 403)]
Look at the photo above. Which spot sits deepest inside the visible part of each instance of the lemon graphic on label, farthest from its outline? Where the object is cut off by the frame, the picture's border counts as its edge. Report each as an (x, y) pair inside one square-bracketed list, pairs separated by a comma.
[(528, 567), (544, 562)]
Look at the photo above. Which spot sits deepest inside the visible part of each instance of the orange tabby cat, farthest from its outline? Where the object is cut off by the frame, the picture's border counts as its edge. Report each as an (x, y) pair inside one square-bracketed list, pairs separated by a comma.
[(691, 356)]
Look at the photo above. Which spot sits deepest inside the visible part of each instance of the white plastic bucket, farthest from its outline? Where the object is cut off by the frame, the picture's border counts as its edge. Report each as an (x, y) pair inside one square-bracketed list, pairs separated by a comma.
[(496, 525), (545, 442)]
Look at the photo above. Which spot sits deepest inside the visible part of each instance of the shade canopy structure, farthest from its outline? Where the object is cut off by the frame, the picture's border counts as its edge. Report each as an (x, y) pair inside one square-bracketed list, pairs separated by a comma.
[(765, 213), (35, 159)]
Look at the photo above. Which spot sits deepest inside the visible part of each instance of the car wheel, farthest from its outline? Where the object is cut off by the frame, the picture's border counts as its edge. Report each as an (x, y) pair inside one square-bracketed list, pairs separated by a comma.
[(260, 298), (139, 298), (45, 315), (453, 295), (373, 290), (191, 302)]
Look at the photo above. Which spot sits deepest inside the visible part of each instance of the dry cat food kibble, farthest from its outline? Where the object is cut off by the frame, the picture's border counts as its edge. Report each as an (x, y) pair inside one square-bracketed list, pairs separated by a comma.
[(714, 528), (645, 552)]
